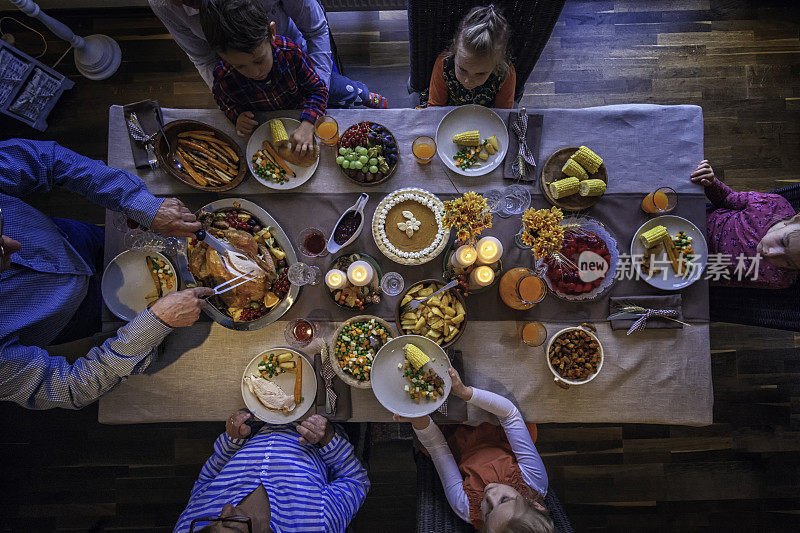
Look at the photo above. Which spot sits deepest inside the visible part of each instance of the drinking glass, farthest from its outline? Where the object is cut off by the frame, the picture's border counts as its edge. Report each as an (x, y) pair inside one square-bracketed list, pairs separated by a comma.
[(327, 130), (662, 200), (122, 223), (302, 274), (494, 200), (300, 332), (423, 148), (516, 199), (533, 333), (392, 283), (312, 242)]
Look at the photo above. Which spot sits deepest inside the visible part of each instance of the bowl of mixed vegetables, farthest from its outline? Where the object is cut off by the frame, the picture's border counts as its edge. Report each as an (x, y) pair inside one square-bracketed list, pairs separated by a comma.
[(352, 351)]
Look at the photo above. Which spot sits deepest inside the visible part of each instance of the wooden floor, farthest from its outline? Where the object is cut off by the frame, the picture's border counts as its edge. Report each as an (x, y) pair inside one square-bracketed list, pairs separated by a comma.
[(739, 60)]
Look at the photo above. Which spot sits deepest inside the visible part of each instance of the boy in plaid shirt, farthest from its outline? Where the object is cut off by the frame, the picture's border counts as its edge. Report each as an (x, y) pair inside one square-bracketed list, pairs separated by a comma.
[(259, 70)]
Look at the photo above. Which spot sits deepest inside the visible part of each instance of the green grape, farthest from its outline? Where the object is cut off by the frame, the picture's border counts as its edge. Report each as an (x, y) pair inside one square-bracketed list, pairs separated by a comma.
[(362, 150), (358, 165), (339, 160), (345, 164), (351, 157), (373, 169), (373, 161), (342, 150), (363, 159)]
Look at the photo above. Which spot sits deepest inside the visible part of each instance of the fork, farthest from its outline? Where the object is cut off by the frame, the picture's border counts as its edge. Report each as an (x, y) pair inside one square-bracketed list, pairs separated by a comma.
[(225, 286), (413, 304)]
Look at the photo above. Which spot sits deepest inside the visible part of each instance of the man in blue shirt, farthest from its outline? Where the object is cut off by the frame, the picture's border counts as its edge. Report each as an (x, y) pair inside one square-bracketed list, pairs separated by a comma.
[(48, 281)]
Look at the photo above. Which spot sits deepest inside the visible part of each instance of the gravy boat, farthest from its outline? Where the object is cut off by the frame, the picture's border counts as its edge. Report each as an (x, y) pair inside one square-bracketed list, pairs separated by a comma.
[(358, 207)]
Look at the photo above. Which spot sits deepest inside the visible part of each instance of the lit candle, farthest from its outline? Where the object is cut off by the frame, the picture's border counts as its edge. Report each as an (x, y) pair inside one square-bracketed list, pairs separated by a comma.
[(335, 279), (482, 276), (464, 256), (360, 273), (489, 250)]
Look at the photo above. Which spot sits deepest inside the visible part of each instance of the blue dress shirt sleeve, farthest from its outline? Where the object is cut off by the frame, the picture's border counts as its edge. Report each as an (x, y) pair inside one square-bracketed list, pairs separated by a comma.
[(32, 378), (344, 494), (31, 167)]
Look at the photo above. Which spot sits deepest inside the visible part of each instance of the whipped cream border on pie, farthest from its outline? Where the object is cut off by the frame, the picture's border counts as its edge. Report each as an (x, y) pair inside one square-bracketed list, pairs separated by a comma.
[(379, 226)]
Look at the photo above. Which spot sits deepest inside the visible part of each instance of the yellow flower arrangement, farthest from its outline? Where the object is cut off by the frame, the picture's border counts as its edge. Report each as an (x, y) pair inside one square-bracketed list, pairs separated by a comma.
[(468, 214), (542, 230)]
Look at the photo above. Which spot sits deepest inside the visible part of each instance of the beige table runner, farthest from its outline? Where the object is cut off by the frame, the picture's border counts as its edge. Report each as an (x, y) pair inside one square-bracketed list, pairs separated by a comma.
[(660, 376)]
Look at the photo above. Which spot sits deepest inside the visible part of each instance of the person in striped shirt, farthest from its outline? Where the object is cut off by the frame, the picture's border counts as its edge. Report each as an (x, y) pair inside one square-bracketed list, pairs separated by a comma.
[(283, 479)]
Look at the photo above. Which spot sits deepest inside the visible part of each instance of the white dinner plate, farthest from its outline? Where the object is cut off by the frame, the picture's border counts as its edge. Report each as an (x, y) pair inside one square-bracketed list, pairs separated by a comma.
[(388, 380), (286, 382), (667, 279), (261, 134), (466, 118), (127, 280)]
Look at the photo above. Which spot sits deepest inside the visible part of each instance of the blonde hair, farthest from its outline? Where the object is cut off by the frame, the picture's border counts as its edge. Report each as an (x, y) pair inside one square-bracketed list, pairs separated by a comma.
[(484, 31), (527, 519)]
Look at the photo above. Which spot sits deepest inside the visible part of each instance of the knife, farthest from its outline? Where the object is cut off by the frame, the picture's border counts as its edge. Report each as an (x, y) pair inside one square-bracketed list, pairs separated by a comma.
[(221, 248)]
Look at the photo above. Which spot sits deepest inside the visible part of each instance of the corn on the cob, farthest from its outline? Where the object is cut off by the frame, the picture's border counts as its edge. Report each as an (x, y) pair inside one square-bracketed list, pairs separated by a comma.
[(278, 131), (587, 159), (467, 138), (652, 236), (573, 168), (415, 356), (565, 187), (593, 187)]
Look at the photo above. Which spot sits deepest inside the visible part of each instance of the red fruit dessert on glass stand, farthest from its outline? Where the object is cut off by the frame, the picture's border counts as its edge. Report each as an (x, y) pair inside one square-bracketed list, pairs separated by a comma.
[(564, 275)]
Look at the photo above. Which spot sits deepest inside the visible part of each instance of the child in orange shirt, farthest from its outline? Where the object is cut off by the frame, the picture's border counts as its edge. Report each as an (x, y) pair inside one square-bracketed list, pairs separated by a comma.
[(475, 68)]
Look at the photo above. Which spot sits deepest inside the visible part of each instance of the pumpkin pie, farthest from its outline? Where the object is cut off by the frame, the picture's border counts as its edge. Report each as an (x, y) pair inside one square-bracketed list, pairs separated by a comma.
[(407, 226)]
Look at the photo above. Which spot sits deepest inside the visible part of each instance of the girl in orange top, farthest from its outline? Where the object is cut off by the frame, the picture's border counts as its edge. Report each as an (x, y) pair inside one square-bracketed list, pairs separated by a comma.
[(475, 69), (493, 476)]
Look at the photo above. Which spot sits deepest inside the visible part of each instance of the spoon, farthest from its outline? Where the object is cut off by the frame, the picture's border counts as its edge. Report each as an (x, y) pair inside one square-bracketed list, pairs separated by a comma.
[(358, 207)]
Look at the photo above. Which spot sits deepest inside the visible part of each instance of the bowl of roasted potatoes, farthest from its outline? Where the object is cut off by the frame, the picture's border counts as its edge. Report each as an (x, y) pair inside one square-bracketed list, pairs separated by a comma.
[(442, 318)]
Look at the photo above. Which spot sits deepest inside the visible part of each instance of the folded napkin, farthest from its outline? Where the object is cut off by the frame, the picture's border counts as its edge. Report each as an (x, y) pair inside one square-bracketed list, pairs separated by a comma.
[(533, 137), (673, 301), (344, 405), (149, 114), (456, 411)]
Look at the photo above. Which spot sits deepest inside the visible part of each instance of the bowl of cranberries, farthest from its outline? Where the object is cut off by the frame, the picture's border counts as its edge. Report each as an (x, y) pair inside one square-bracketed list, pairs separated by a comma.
[(585, 266)]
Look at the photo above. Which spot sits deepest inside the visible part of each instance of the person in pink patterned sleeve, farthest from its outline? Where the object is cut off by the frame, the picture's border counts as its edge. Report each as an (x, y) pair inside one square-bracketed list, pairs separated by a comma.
[(751, 223)]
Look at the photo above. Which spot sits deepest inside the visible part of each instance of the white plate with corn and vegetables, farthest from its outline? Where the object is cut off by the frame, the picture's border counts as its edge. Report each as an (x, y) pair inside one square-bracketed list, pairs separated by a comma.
[(263, 167), (689, 243), (391, 383), (480, 128)]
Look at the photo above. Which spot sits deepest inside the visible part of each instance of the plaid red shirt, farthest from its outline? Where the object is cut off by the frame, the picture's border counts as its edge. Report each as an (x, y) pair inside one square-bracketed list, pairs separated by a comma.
[(292, 83)]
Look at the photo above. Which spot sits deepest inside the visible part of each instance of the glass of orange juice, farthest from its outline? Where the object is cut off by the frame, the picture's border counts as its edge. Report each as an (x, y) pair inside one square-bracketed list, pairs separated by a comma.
[(662, 200), (423, 149), (327, 130), (533, 333)]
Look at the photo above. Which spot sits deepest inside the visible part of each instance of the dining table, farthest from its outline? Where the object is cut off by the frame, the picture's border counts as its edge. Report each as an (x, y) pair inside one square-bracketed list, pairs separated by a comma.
[(659, 376)]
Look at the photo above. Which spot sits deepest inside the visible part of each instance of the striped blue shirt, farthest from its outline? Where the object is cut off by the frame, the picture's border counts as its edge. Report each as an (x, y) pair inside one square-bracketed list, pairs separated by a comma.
[(310, 489), (48, 279)]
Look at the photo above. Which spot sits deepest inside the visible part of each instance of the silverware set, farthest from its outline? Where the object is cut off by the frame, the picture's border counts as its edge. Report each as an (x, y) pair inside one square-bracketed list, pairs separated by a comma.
[(138, 133)]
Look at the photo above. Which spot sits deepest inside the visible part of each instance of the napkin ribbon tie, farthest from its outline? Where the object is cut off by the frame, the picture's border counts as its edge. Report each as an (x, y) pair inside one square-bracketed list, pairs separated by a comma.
[(520, 127), (640, 322)]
